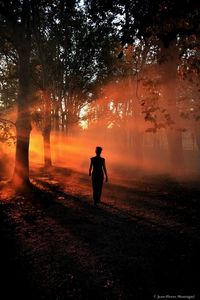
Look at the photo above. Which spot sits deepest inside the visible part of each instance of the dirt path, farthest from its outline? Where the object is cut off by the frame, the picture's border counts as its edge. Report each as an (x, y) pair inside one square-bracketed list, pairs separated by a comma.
[(141, 242)]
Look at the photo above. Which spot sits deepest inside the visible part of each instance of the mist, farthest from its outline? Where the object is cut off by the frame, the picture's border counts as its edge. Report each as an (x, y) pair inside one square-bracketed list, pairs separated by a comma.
[(133, 132)]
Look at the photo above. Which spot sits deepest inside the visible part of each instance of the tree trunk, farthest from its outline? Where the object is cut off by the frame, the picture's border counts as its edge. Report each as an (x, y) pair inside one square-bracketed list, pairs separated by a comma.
[(174, 136), (23, 123), (138, 151), (47, 148), (176, 151), (21, 171), (47, 131), (197, 134), (137, 120), (56, 120)]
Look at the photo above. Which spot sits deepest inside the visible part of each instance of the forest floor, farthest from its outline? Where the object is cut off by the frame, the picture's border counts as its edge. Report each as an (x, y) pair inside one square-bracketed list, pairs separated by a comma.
[(142, 242)]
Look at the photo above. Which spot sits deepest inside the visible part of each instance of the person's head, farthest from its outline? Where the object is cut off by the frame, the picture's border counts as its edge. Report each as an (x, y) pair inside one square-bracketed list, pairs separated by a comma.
[(98, 150)]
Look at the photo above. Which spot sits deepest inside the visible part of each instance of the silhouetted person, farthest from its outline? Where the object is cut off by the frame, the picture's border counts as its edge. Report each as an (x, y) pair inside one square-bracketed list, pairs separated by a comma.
[(97, 170)]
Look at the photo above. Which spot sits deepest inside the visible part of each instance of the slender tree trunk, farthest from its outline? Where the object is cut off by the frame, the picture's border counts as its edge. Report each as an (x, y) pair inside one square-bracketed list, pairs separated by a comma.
[(176, 150), (47, 130), (56, 126), (137, 119), (174, 136), (23, 123), (138, 151), (47, 148), (197, 134)]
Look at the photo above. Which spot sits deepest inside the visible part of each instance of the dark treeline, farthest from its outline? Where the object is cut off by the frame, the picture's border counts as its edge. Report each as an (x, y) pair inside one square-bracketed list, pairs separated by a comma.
[(128, 70)]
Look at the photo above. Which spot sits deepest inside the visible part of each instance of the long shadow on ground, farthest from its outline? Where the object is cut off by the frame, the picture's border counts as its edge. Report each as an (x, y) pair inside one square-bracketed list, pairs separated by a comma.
[(61, 247)]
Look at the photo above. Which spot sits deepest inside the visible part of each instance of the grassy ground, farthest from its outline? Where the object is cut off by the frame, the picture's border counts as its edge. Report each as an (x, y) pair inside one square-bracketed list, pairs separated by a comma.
[(142, 242)]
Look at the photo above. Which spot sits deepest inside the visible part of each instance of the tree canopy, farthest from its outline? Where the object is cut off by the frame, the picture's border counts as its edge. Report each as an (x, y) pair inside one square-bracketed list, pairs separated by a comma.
[(67, 63)]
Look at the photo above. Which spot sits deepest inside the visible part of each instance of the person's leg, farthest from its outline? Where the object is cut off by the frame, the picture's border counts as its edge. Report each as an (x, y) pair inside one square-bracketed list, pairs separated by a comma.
[(100, 186), (95, 190)]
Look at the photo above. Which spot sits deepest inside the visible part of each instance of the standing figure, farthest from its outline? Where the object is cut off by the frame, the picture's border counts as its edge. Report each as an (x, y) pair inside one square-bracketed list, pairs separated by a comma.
[(97, 170)]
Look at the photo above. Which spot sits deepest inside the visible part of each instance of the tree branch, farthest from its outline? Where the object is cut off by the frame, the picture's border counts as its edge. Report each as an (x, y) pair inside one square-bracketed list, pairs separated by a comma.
[(7, 121)]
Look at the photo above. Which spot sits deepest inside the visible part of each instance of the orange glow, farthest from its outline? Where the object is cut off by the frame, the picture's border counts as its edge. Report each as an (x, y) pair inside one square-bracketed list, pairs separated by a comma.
[(6, 192), (75, 152), (36, 152), (116, 121)]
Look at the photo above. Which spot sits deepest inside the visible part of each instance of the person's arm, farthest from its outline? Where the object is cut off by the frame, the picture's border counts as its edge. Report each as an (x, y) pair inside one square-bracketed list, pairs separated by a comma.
[(90, 168), (105, 171)]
